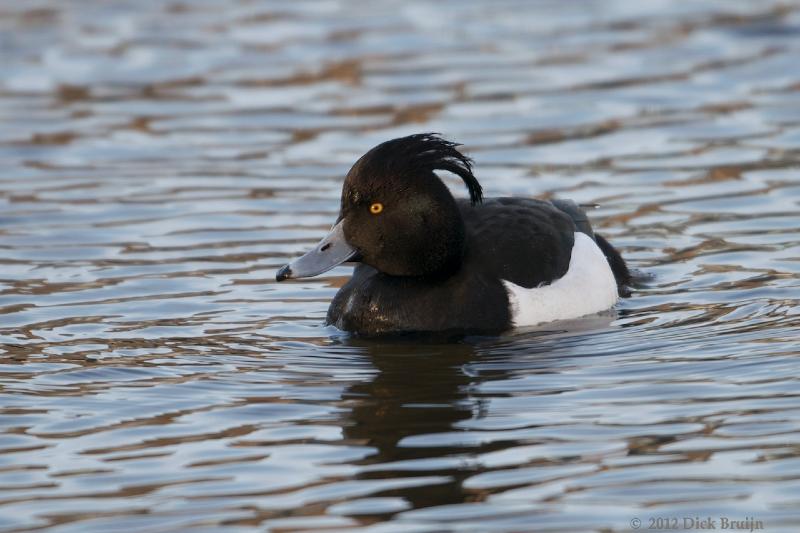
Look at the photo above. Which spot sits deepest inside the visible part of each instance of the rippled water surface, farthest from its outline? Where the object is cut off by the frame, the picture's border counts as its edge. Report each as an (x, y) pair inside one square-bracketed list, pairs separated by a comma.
[(159, 160)]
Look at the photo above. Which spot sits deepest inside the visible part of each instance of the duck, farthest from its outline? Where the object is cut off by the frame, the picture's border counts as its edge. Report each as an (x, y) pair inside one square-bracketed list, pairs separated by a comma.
[(426, 262)]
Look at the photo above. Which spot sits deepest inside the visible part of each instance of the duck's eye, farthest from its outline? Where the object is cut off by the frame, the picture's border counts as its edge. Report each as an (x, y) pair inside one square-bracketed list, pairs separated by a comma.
[(376, 208)]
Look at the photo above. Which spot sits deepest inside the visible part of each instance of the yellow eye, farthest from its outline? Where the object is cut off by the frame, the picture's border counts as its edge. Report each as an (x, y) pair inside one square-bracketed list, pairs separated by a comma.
[(376, 208)]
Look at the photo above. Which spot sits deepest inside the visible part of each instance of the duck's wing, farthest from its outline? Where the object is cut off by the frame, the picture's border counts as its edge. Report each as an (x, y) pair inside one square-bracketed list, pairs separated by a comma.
[(615, 260), (577, 214), (525, 241)]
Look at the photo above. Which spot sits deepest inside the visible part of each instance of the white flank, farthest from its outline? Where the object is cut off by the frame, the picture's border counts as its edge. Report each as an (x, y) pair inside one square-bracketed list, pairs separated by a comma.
[(588, 287)]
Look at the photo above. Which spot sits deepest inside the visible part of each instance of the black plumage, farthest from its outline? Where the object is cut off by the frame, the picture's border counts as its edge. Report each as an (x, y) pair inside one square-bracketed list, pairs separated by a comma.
[(431, 263)]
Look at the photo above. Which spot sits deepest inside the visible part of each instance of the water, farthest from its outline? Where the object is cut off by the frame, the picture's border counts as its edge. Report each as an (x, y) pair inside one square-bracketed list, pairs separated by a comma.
[(160, 160)]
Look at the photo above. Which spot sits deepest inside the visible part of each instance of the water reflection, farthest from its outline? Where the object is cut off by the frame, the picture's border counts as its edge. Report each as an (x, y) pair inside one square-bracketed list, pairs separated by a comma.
[(418, 390), (428, 389)]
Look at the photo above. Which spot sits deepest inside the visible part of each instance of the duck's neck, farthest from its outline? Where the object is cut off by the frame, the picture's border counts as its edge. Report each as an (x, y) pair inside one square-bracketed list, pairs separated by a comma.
[(443, 248)]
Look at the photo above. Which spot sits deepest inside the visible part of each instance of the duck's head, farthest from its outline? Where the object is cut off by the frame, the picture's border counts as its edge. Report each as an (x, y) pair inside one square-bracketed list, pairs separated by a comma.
[(396, 214)]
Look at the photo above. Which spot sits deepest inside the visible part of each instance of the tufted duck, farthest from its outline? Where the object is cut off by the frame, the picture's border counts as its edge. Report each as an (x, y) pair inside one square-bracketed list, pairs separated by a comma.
[(426, 262)]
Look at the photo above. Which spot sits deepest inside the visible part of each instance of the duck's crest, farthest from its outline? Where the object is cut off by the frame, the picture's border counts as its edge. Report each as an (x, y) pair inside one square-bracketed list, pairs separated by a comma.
[(422, 152)]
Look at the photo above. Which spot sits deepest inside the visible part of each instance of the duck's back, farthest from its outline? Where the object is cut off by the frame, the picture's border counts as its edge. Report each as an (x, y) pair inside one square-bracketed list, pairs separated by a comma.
[(525, 241), (547, 256)]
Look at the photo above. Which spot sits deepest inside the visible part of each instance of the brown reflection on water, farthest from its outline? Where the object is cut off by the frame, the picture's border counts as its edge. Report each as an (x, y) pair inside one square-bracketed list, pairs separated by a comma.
[(159, 161), (422, 392)]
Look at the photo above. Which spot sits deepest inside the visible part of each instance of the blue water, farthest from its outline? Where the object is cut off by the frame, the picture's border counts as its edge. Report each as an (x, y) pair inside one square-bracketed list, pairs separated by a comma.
[(160, 160)]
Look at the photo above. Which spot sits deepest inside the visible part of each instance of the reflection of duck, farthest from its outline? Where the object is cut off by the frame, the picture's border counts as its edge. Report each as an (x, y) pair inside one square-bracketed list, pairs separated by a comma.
[(420, 411), (428, 262), (420, 389)]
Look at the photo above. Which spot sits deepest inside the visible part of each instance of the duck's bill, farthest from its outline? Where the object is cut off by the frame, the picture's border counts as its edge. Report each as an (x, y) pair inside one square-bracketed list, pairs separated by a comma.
[(331, 251)]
